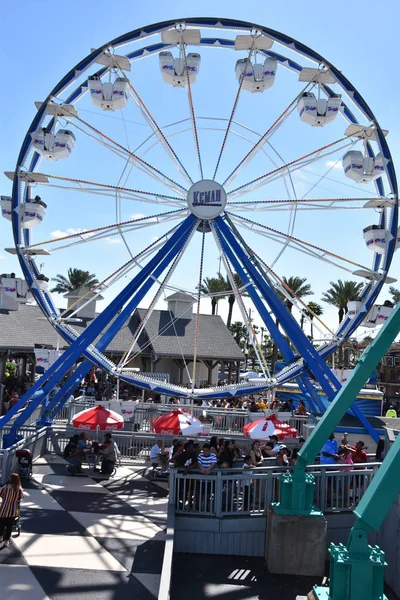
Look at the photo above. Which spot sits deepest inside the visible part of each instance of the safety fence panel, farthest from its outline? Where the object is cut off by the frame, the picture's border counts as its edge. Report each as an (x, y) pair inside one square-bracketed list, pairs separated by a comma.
[(251, 491), (35, 443)]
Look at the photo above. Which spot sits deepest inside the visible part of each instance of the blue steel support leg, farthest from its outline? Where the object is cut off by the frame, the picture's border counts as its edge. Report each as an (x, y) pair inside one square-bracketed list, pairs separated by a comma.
[(316, 364), (61, 397), (70, 356), (280, 340)]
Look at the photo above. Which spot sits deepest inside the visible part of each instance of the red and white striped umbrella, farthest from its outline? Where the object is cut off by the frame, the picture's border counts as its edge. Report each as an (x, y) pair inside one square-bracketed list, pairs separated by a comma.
[(98, 417), (263, 428), (175, 423)]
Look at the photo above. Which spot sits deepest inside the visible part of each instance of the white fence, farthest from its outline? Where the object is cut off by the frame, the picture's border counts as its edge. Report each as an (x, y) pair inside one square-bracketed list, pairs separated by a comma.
[(35, 442), (234, 492)]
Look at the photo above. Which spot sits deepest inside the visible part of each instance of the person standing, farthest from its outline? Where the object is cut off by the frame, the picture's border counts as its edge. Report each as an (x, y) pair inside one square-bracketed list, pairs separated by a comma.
[(329, 451), (10, 495)]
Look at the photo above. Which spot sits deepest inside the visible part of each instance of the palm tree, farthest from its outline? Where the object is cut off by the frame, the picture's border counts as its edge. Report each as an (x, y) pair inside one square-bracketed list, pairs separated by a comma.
[(340, 294), (315, 310), (395, 293), (76, 278), (298, 288), (211, 286), (231, 295), (239, 333)]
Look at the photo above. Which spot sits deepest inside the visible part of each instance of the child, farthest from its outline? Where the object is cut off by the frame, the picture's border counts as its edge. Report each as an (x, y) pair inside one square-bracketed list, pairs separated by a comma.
[(247, 485)]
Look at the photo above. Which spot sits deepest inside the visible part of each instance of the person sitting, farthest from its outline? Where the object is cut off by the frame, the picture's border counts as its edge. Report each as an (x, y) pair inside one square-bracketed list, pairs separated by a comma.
[(287, 406), (109, 456), (72, 454), (268, 450), (275, 440), (301, 410), (255, 454), (282, 458), (391, 413), (83, 441), (158, 457)]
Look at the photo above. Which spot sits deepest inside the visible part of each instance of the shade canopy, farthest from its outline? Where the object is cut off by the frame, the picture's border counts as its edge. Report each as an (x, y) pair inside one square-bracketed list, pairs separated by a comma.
[(263, 428), (177, 423), (98, 417)]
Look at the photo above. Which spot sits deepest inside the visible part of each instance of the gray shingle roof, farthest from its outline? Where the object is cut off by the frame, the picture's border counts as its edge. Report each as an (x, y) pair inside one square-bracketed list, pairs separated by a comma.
[(23, 329), (215, 340)]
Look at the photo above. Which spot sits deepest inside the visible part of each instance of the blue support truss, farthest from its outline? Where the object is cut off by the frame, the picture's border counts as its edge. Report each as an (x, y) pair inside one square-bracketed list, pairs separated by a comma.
[(238, 252), (143, 280), (287, 352)]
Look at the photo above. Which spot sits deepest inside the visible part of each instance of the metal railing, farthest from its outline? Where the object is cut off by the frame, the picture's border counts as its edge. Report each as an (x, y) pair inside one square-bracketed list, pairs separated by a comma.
[(217, 421), (35, 442), (234, 492)]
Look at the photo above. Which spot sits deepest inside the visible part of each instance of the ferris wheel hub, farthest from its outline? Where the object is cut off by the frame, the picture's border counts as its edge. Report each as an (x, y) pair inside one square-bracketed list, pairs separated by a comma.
[(206, 199)]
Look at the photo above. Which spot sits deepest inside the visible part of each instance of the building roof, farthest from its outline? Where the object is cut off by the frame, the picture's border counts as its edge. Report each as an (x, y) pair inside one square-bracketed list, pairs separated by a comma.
[(27, 327), (176, 338), (181, 296)]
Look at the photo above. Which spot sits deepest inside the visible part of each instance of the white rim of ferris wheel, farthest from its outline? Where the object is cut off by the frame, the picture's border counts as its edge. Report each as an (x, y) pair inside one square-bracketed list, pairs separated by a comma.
[(251, 38)]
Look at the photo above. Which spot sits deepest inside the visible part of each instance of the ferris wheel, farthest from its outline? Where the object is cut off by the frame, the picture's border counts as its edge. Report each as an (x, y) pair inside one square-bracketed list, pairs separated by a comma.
[(153, 167)]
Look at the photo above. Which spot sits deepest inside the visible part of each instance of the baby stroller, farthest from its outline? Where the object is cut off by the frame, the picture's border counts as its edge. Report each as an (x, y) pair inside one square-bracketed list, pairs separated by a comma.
[(24, 467)]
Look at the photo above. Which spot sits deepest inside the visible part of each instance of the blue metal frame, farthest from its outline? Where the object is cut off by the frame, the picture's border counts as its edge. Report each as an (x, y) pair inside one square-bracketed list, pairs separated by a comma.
[(306, 350), (279, 339), (145, 278)]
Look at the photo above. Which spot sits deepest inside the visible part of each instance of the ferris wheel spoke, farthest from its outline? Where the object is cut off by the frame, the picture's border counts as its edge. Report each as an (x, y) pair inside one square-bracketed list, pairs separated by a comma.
[(302, 204), (105, 189), (156, 128), (296, 243), (228, 128), (115, 276), (162, 286), (108, 231), (265, 137), (192, 113), (137, 161), (291, 166)]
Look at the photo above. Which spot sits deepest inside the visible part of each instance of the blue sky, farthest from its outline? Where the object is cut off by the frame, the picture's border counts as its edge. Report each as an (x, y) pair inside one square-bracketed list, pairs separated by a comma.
[(40, 42)]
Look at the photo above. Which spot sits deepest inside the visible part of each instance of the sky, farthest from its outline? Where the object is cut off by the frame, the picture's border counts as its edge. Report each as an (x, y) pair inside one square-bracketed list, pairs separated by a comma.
[(40, 42)]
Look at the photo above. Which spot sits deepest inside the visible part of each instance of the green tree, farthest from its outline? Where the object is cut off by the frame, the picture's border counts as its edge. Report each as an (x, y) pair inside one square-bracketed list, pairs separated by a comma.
[(210, 287), (298, 288), (239, 333), (315, 310), (395, 293), (76, 278), (231, 295), (340, 293)]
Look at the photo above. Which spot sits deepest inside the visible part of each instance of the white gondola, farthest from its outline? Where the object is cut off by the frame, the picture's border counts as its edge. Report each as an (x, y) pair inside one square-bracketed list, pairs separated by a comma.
[(42, 282), (107, 95), (318, 112), (377, 316), (173, 69), (32, 212), (375, 237), (53, 145), (257, 77), (363, 169), (353, 308)]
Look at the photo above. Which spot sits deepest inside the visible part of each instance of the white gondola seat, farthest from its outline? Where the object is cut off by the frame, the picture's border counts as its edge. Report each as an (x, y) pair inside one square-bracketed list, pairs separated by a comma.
[(108, 95), (362, 169), (53, 145), (318, 112), (375, 237), (378, 315), (173, 69), (256, 77), (42, 282), (32, 212), (353, 308)]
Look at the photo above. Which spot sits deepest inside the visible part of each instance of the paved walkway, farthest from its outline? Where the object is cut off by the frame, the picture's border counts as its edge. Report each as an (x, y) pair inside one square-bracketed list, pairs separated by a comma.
[(86, 538)]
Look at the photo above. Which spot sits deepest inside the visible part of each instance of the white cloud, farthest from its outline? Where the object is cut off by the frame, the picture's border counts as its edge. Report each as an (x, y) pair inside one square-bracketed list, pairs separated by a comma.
[(113, 240), (137, 216), (333, 163), (57, 234)]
